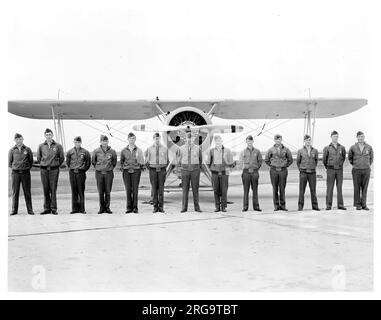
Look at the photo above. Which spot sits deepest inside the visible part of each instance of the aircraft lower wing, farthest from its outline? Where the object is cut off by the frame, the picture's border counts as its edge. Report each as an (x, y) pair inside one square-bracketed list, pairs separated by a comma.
[(144, 109)]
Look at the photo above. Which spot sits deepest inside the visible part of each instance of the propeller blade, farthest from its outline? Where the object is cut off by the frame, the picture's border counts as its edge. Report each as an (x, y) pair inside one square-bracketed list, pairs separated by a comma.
[(221, 128), (205, 128)]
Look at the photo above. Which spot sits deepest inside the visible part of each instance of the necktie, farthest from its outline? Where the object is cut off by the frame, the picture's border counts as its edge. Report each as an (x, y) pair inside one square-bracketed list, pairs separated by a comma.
[(189, 155), (157, 155)]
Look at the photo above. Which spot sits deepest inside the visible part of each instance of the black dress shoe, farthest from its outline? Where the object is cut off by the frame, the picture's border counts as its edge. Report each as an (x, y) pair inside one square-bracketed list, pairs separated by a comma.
[(258, 209), (74, 212), (13, 214), (54, 212), (315, 209), (136, 211), (31, 213), (108, 211), (277, 209), (83, 212), (224, 210), (128, 211), (217, 210), (358, 208), (45, 212), (300, 209), (365, 208), (284, 209), (245, 210), (101, 212), (342, 208), (184, 210), (155, 210), (161, 211), (198, 210)]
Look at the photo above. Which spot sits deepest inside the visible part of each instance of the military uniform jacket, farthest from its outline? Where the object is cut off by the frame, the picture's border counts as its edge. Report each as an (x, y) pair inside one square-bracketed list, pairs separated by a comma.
[(104, 160), (20, 159), (189, 157), (307, 162), (279, 158), (157, 156), (78, 159), (50, 156), (334, 158), (220, 160), (358, 159), (251, 159), (132, 159)]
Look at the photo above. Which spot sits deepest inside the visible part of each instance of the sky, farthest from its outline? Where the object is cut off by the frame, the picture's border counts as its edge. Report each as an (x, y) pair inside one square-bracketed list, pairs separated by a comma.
[(127, 50)]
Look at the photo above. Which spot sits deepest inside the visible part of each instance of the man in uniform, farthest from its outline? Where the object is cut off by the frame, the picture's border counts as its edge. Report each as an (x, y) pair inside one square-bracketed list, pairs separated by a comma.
[(132, 164), (307, 160), (104, 160), (78, 161), (157, 162), (333, 160), (279, 158), (360, 156), (250, 161), (220, 160), (20, 160), (50, 156), (189, 157)]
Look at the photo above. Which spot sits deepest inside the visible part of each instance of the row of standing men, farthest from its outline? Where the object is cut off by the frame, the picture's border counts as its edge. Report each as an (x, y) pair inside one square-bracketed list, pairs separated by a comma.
[(50, 156)]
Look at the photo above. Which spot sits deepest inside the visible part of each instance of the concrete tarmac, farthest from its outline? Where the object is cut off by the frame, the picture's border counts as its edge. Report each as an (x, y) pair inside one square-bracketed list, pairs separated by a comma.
[(240, 252)]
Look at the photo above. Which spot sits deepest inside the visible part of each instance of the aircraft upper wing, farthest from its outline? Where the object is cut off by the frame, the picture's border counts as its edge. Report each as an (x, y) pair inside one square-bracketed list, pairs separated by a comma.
[(145, 109)]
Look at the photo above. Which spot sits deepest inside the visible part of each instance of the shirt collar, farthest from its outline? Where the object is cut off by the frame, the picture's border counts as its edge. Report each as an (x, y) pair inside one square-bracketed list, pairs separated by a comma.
[(16, 147), (332, 145), (53, 142), (280, 147), (135, 147), (107, 149)]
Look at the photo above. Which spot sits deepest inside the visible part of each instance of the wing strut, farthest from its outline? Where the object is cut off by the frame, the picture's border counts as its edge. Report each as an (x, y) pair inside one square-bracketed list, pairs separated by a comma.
[(310, 120), (59, 130)]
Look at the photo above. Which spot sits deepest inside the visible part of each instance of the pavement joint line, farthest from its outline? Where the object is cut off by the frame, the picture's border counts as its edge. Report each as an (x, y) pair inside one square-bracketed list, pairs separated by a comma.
[(116, 227), (302, 228)]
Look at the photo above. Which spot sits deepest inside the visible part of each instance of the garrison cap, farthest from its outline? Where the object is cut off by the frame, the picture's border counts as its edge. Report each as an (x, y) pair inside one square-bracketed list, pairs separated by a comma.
[(250, 138), (131, 135), (104, 138), (156, 135), (18, 136), (48, 131), (334, 133), (277, 136), (306, 137), (360, 133), (78, 139)]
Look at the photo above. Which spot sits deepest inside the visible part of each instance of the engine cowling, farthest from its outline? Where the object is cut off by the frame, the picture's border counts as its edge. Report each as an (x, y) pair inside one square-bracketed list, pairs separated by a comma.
[(188, 116)]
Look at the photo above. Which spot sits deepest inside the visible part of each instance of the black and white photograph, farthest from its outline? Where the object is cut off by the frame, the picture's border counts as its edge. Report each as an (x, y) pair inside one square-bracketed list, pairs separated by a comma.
[(191, 147)]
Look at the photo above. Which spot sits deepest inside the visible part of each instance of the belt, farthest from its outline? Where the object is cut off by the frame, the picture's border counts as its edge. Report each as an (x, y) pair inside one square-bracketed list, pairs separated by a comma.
[(250, 170), (49, 168), (77, 170), (103, 171), (20, 171), (278, 169), (132, 170), (308, 170), (335, 168), (158, 169), (219, 173)]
